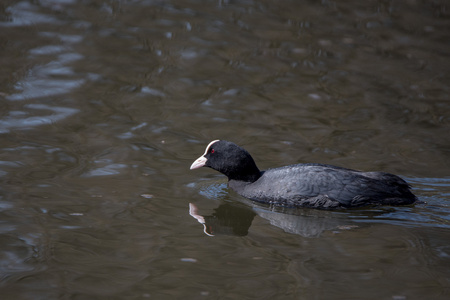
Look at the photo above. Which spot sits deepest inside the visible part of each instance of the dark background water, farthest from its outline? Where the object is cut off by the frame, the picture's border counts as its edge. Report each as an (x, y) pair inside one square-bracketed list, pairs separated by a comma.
[(105, 104)]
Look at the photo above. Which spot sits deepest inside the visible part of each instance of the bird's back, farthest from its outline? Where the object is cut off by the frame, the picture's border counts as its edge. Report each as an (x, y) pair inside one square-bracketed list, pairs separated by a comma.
[(325, 186)]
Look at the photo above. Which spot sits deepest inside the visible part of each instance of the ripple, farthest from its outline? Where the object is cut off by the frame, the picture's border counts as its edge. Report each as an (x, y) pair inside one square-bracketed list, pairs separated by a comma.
[(112, 169), (23, 120), (25, 13)]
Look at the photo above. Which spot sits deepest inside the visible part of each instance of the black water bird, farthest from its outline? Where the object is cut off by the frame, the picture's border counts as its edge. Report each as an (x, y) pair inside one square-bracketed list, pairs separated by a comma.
[(303, 185)]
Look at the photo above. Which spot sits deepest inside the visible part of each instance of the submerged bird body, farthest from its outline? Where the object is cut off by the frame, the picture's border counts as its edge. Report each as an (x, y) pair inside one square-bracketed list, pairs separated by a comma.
[(303, 185)]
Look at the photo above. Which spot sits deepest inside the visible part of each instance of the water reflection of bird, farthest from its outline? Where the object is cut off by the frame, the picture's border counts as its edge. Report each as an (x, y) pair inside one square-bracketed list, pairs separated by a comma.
[(303, 185), (234, 219), (226, 220)]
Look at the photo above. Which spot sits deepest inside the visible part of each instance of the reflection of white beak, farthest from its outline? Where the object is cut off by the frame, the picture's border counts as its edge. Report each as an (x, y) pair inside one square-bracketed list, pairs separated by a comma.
[(193, 211), (199, 162)]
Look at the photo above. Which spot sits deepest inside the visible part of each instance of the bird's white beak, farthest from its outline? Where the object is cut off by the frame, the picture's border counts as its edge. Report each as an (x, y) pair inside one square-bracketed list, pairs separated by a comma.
[(199, 162)]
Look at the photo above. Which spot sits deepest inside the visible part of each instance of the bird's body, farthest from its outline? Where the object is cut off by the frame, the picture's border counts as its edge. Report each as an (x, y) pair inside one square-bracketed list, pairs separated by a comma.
[(304, 185), (323, 186)]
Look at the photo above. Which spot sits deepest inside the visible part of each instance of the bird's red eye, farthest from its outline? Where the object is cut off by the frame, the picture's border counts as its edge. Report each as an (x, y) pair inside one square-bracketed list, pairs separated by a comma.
[(212, 150)]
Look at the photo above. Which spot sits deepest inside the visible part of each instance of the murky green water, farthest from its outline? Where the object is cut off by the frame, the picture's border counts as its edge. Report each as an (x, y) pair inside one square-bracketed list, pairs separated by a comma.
[(105, 104)]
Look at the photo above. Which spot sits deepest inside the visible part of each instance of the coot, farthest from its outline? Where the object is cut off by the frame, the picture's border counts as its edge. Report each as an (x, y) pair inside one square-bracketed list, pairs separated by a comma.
[(303, 185)]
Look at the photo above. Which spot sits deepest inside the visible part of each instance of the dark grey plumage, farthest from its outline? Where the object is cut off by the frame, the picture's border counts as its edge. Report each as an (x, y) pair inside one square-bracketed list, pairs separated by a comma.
[(304, 185)]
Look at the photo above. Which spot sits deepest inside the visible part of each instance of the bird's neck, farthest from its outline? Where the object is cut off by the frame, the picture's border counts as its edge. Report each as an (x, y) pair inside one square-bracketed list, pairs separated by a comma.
[(247, 176)]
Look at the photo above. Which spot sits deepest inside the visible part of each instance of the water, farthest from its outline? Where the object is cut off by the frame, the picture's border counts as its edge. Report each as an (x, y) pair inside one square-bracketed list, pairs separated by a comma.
[(105, 104)]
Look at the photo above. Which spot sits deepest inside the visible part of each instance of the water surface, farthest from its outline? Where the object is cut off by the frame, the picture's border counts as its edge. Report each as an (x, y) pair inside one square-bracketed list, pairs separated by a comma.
[(105, 104)]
